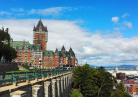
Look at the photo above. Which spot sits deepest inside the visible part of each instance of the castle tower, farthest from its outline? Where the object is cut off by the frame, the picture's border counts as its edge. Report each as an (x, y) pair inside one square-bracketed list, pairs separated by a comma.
[(63, 49), (40, 35)]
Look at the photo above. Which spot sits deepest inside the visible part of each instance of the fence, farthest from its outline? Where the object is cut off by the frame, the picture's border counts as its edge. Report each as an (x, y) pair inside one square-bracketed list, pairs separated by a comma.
[(9, 78)]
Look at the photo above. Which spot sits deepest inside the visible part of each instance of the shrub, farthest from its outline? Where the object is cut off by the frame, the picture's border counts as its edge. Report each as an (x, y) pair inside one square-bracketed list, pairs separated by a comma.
[(76, 94)]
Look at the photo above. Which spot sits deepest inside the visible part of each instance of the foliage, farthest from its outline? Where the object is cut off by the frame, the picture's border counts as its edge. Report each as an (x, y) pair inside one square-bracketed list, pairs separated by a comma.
[(76, 94), (87, 78), (89, 81), (117, 93), (105, 83), (126, 94), (4, 35), (76, 75), (34, 68), (97, 82), (120, 92), (6, 51), (28, 68)]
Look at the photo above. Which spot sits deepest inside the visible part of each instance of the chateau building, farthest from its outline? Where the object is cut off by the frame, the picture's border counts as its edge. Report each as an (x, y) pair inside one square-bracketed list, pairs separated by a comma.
[(37, 55)]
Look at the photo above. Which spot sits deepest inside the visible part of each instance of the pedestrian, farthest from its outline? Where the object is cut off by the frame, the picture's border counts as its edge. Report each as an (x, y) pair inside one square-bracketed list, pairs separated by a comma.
[(3, 77)]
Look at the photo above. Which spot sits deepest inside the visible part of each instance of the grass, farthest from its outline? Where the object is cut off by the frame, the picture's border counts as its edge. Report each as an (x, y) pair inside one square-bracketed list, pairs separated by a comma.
[(16, 71), (76, 93), (32, 70)]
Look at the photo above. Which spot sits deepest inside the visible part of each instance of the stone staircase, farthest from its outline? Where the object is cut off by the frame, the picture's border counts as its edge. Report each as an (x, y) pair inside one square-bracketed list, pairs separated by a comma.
[(22, 68)]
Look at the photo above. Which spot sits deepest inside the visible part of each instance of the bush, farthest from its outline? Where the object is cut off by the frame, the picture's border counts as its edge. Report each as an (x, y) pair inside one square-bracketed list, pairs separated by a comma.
[(76, 94)]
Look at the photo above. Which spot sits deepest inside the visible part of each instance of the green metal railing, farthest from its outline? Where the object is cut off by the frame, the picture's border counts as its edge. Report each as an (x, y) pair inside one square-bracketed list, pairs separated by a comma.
[(8, 78)]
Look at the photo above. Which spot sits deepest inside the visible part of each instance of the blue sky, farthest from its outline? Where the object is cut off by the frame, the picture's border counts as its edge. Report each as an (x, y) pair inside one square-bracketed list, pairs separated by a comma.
[(112, 23), (96, 14)]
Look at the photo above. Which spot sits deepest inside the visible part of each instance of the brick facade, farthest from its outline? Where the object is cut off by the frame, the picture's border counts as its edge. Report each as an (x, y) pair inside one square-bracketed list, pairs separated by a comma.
[(37, 55)]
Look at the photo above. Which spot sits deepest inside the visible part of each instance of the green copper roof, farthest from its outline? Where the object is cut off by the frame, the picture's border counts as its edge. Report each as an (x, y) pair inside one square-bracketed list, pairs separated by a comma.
[(48, 53), (32, 46), (23, 44), (64, 55), (18, 43)]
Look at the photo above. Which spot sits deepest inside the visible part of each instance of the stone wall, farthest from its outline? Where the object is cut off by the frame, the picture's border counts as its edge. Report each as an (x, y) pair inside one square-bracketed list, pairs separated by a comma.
[(53, 86), (5, 94), (8, 67)]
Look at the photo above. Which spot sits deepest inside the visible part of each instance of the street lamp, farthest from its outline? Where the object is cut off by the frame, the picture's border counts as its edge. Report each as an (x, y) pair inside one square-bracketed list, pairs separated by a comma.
[(40, 64), (48, 67)]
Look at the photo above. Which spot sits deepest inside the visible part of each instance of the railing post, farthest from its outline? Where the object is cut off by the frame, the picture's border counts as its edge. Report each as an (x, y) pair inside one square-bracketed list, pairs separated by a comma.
[(13, 79), (47, 73), (35, 75), (42, 75), (26, 77), (51, 73)]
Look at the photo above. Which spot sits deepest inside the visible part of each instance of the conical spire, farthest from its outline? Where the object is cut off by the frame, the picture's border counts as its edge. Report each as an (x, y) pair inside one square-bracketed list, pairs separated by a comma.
[(63, 48), (34, 28), (70, 50), (40, 25), (56, 51)]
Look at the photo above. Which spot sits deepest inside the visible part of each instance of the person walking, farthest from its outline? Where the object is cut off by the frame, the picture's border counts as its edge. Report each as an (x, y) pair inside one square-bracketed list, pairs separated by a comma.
[(3, 77)]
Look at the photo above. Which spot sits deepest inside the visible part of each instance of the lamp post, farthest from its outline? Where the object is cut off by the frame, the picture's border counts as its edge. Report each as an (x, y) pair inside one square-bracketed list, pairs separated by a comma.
[(48, 68), (40, 64)]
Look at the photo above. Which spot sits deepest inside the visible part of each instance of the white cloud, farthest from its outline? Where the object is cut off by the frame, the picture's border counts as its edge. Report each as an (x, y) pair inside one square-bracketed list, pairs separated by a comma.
[(128, 24), (123, 28), (54, 11), (124, 15), (97, 49), (115, 19), (4, 13), (17, 10), (50, 11), (116, 28), (32, 11)]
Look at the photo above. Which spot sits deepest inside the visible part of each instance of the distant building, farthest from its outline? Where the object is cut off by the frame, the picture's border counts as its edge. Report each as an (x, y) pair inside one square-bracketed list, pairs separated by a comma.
[(132, 89), (37, 55), (136, 68), (114, 74), (116, 69), (135, 90), (121, 76)]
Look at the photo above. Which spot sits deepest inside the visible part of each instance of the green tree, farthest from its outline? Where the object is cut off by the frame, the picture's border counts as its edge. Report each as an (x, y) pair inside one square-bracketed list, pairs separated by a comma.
[(6, 51), (89, 81), (97, 82), (126, 94), (87, 78), (117, 93), (120, 92), (77, 75), (76, 94), (4, 35), (105, 83)]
